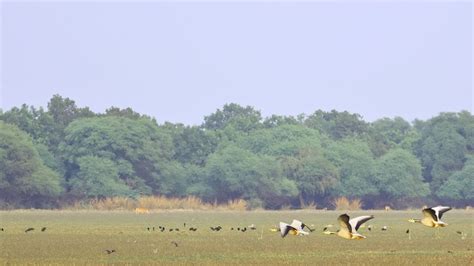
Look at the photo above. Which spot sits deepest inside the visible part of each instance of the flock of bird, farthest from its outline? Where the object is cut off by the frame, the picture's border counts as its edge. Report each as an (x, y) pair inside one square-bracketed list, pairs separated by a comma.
[(348, 227)]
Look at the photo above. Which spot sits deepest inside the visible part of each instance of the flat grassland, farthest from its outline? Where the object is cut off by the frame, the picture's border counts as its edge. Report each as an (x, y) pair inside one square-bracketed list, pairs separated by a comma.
[(82, 237)]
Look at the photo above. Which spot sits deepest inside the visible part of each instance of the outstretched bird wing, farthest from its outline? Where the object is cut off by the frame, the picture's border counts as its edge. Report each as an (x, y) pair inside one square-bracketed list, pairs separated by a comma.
[(297, 224), (358, 221), (344, 222), (439, 210), (285, 228), (430, 213)]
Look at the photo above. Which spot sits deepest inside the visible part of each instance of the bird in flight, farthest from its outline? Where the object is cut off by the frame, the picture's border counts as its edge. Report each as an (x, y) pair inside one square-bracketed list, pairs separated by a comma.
[(348, 227), (295, 228), (432, 217)]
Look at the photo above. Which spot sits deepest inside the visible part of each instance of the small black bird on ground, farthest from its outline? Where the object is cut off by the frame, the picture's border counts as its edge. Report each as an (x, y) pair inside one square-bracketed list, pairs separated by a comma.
[(193, 229), (408, 231), (1, 229), (110, 251), (43, 229), (29, 229)]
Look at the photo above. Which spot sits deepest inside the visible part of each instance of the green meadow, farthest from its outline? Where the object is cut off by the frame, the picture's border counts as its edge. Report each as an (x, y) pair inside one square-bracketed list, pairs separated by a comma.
[(82, 237)]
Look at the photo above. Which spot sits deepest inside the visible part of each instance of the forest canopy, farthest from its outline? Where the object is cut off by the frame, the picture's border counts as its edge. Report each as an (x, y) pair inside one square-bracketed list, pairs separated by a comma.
[(66, 153)]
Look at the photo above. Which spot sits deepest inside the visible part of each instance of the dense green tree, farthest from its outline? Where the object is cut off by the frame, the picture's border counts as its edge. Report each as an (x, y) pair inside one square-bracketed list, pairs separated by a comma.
[(127, 113), (445, 141), (36, 122), (278, 120), (24, 179), (234, 154), (141, 150), (336, 124), (356, 167), (398, 176), (244, 119), (192, 144), (387, 133), (286, 140), (64, 110), (442, 153), (466, 129), (97, 178), (234, 173), (460, 185), (314, 175)]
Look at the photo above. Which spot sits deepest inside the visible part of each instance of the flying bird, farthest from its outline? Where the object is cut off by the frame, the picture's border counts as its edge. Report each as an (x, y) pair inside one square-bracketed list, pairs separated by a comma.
[(295, 228), (432, 217), (348, 227)]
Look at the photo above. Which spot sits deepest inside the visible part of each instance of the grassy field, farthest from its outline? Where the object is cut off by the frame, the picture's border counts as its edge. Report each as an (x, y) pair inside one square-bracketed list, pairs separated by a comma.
[(81, 237)]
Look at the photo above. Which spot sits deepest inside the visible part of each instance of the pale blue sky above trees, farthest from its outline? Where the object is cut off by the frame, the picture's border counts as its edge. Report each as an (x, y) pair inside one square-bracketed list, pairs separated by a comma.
[(180, 61)]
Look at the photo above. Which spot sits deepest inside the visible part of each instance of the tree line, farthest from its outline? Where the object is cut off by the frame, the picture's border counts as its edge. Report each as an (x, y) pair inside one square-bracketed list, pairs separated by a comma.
[(66, 153)]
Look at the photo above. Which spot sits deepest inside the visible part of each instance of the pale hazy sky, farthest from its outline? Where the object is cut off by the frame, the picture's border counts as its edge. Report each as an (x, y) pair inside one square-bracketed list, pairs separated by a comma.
[(180, 61)]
